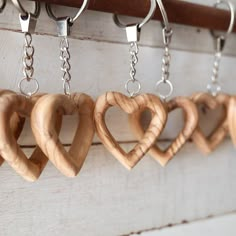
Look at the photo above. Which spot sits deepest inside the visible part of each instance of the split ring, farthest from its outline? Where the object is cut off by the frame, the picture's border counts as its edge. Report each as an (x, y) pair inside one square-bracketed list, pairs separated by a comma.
[(22, 10), (71, 19)]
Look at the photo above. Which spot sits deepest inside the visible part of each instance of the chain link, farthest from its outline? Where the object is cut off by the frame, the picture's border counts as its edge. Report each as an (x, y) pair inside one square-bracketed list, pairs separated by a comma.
[(65, 64), (133, 81), (165, 68), (28, 67), (214, 87)]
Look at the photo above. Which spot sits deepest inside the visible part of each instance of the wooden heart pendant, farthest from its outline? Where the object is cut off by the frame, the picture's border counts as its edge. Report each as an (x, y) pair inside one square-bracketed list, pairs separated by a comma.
[(130, 106), (191, 121), (232, 118), (31, 168), (208, 144), (43, 120), (16, 122)]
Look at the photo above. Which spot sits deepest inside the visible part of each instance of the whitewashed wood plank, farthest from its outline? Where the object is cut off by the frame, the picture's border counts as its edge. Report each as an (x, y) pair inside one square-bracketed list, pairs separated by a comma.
[(218, 226), (106, 199), (99, 26)]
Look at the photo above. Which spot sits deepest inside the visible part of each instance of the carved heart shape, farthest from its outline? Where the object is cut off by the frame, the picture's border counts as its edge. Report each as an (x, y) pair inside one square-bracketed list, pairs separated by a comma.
[(16, 122), (208, 144), (191, 121), (129, 105), (232, 118), (43, 120), (31, 168)]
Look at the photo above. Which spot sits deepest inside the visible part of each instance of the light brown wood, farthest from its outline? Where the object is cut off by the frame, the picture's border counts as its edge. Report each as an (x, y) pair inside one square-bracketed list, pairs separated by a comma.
[(129, 105), (43, 120), (11, 103), (232, 118), (191, 121), (16, 122), (210, 143)]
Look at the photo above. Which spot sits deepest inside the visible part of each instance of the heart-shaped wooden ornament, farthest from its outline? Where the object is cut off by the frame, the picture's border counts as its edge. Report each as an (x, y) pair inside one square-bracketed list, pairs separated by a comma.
[(130, 106), (43, 120), (16, 122), (208, 144), (232, 118), (31, 168), (190, 123)]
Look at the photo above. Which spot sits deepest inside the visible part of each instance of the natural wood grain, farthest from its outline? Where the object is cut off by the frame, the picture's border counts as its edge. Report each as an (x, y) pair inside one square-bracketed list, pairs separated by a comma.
[(43, 121), (218, 134), (232, 118), (16, 122), (31, 168), (193, 14), (129, 105), (190, 123)]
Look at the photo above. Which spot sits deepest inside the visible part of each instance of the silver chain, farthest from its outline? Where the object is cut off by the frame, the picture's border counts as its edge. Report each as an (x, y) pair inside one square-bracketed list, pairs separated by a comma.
[(214, 87), (28, 67), (65, 64), (28, 57), (166, 59), (133, 61)]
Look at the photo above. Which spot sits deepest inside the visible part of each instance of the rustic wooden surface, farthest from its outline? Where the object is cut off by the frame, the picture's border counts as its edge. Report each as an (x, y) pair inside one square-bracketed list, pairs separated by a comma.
[(116, 201), (193, 14)]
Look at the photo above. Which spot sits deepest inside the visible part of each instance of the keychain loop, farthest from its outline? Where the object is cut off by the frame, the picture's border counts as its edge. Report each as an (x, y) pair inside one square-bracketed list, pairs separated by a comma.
[(166, 58), (25, 13), (24, 91), (232, 19), (71, 19), (3, 4), (214, 86), (145, 20)]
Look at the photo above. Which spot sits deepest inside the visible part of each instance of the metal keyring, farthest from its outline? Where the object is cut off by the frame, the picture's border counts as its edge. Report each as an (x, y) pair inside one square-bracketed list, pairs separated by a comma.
[(145, 20), (232, 19), (171, 89), (23, 12), (71, 19), (3, 5), (164, 16)]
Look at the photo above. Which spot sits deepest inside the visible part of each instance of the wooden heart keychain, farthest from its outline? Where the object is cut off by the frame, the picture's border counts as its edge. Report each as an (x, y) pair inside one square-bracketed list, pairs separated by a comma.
[(51, 106), (12, 103), (16, 122), (214, 99), (131, 104), (183, 103)]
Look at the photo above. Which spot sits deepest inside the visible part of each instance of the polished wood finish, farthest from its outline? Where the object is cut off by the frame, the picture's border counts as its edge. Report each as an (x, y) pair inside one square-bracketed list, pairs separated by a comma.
[(43, 121), (179, 12), (31, 168), (232, 118), (191, 120), (130, 106), (16, 122), (210, 143)]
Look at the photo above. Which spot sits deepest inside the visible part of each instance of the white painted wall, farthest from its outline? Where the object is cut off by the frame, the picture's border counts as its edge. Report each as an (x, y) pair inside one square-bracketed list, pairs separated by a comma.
[(106, 199)]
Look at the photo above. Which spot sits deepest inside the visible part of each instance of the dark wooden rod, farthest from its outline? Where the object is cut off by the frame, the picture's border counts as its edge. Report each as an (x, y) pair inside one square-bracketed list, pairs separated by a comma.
[(179, 12)]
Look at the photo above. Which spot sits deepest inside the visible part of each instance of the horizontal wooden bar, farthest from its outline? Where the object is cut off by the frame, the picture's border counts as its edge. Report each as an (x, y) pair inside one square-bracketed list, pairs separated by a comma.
[(179, 12)]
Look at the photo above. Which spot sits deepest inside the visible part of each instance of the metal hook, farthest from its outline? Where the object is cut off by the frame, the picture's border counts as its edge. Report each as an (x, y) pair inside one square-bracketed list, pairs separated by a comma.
[(165, 22), (71, 19), (220, 39), (25, 13), (133, 30), (3, 5)]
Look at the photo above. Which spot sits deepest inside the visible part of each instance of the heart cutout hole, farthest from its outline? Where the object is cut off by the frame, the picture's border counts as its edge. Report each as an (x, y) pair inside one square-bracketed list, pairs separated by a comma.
[(215, 117), (173, 126), (68, 128)]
